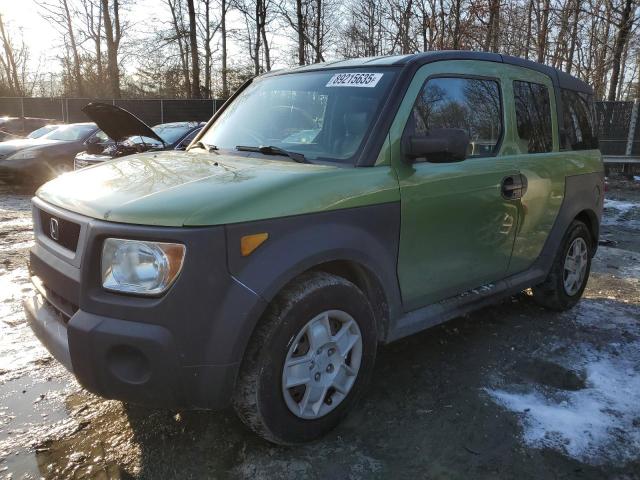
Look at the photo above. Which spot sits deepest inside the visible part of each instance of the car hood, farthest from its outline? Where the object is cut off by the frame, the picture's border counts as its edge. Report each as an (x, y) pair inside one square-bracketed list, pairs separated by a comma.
[(12, 146), (117, 123), (197, 188)]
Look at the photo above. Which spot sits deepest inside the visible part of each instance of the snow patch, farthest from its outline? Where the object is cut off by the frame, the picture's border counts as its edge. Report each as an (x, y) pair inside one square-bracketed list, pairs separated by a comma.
[(618, 211), (18, 346), (597, 424)]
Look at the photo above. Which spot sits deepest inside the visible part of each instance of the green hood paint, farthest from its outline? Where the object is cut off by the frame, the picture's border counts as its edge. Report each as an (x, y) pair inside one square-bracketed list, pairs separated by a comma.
[(198, 188)]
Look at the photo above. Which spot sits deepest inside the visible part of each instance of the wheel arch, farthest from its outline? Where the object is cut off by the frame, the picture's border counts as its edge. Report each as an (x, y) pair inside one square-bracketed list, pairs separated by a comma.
[(359, 245), (590, 219), (368, 282)]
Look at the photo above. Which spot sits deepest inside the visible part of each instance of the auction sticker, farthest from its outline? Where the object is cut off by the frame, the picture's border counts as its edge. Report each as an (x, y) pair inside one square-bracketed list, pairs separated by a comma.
[(366, 80)]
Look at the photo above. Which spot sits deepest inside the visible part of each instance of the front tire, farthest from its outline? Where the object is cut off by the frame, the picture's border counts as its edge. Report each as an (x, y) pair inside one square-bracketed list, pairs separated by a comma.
[(308, 361), (569, 273)]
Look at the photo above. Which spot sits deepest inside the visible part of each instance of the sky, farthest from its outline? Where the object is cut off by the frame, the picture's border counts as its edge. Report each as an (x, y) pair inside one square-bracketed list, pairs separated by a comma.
[(22, 15), (43, 40)]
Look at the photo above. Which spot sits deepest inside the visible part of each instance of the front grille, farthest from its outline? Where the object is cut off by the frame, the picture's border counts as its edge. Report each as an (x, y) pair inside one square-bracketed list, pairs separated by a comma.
[(63, 307), (64, 232), (78, 164)]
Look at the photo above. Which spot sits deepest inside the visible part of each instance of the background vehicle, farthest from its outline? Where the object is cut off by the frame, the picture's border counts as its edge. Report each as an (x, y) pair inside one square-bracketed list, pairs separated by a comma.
[(21, 126), (36, 160), (322, 211), (132, 135)]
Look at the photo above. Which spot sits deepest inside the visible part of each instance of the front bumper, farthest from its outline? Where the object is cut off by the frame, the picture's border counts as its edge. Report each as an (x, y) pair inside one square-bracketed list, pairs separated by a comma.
[(128, 361)]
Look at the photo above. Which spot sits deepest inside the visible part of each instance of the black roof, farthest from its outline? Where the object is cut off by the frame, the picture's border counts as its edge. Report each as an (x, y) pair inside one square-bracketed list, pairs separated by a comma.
[(559, 78)]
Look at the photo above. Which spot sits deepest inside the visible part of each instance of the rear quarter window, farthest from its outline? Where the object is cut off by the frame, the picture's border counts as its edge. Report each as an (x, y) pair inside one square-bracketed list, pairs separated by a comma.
[(533, 116), (578, 132)]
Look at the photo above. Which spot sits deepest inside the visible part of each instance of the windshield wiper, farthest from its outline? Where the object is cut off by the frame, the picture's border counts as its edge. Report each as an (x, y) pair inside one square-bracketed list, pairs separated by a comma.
[(205, 146), (272, 150)]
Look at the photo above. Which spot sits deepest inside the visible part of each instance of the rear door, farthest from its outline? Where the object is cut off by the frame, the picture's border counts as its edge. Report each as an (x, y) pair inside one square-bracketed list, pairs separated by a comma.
[(532, 106), (458, 225)]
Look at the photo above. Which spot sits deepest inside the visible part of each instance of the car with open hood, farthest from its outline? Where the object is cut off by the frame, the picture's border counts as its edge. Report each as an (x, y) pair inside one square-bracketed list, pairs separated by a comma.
[(321, 212), (37, 160), (132, 135)]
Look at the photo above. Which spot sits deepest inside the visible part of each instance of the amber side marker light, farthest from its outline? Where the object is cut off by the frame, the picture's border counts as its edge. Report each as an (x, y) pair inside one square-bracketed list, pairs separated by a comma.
[(249, 243)]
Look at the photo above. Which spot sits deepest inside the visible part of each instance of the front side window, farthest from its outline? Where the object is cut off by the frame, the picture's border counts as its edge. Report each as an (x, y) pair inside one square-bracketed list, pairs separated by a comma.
[(470, 104), (324, 115), (100, 137), (533, 116), (577, 117)]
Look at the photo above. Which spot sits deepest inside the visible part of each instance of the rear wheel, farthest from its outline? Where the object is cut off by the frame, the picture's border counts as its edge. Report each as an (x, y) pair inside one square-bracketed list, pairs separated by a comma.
[(569, 274), (308, 361)]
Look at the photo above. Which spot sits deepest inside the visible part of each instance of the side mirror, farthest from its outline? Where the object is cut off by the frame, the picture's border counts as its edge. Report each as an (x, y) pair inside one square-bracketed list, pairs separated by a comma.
[(440, 145)]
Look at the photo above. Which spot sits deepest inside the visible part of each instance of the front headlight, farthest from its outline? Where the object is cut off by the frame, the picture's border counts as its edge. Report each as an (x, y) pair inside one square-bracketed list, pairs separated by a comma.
[(143, 268), (23, 155)]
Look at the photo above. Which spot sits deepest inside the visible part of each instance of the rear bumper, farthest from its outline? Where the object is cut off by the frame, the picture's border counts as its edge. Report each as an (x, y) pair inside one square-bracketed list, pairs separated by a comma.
[(128, 361)]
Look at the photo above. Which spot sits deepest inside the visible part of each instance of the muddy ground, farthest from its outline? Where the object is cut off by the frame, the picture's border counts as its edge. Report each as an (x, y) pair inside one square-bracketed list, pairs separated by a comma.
[(512, 391)]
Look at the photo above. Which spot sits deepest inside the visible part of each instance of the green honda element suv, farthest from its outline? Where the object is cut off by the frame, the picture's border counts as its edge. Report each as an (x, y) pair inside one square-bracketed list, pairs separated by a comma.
[(321, 212)]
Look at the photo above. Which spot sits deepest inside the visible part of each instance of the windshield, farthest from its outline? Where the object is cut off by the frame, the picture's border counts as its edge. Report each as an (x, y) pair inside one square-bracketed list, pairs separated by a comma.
[(172, 132), (169, 132), (42, 131), (323, 115), (71, 133)]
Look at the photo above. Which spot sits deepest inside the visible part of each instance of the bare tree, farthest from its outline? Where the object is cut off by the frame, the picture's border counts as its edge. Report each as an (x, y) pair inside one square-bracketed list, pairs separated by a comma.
[(59, 13), (9, 63)]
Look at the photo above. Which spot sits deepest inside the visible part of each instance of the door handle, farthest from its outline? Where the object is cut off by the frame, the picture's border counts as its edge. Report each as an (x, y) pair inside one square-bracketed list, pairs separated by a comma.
[(513, 187)]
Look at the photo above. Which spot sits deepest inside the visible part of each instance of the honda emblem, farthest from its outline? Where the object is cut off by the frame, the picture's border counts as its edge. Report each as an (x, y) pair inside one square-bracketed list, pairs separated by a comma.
[(54, 228)]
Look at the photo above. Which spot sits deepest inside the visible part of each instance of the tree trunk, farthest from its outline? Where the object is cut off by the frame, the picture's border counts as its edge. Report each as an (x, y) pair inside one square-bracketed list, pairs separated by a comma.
[(184, 54), (74, 50), (301, 42), (491, 40), (195, 55), (574, 34), (528, 41), (207, 48), (543, 32), (112, 34), (256, 46), (318, 32), (223, 29), (265, 43), (626, 22)]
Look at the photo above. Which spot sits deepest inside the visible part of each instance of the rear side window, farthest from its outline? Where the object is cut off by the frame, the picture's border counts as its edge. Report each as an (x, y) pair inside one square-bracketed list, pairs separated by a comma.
[(468, 103), (533, 116), (577, 118)]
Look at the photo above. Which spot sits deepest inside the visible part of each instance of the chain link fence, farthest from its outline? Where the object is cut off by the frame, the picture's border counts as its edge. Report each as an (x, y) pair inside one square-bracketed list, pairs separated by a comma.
[(150, 111), (615, 121), (616, 125)]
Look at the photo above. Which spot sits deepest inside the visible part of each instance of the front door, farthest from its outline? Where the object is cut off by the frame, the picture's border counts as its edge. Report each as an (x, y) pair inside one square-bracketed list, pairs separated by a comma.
[(459, 218)]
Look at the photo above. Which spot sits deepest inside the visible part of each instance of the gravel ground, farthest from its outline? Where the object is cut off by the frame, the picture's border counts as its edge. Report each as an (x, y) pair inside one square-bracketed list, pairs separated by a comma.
[(510, 391)]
